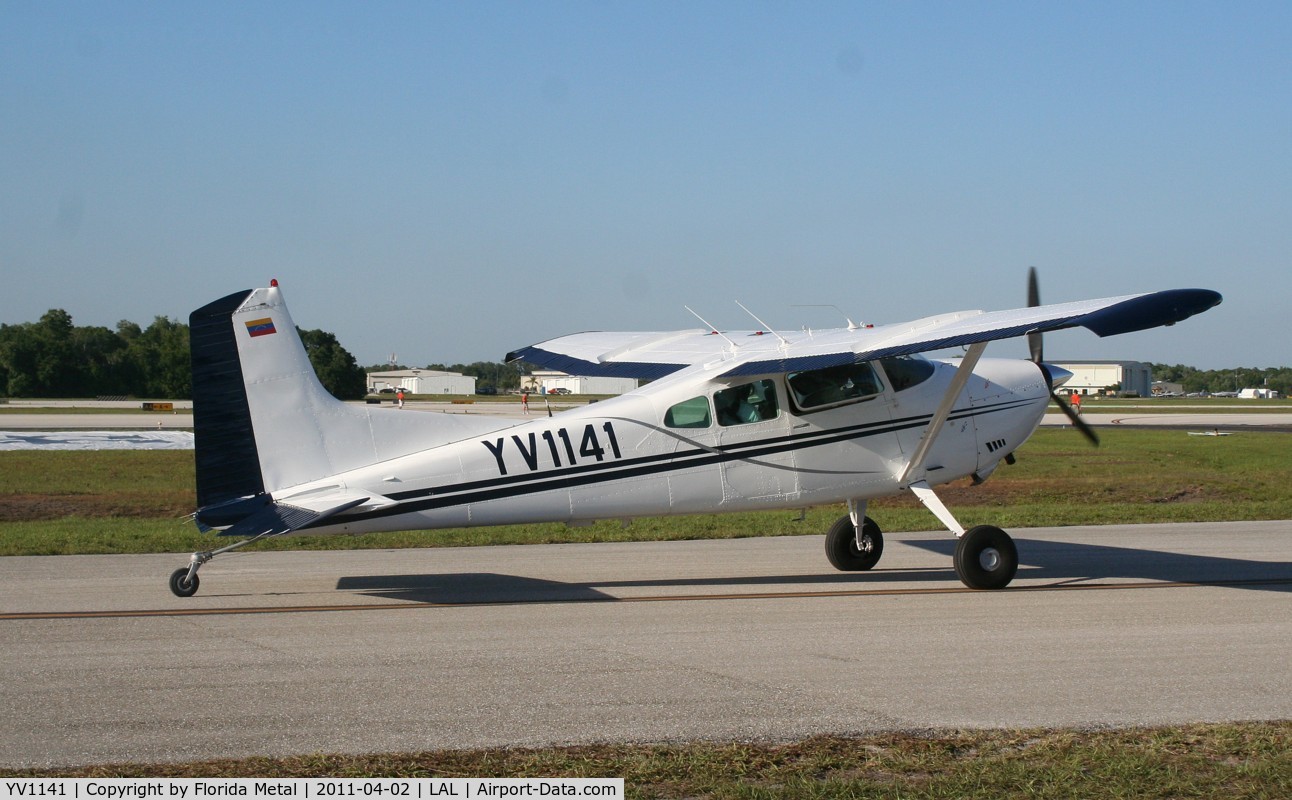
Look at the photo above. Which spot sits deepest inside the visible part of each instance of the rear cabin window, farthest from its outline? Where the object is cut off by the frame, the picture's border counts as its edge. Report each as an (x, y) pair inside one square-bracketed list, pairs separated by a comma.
[(819, 389), (746, 403), (906, 371), (693, 413)]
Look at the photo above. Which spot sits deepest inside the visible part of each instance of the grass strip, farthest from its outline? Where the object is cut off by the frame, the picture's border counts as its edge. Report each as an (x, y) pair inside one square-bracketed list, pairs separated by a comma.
[(1238, 760)]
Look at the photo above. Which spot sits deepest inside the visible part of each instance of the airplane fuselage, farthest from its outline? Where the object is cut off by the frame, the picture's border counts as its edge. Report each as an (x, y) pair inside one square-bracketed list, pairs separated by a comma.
[(641, 455)]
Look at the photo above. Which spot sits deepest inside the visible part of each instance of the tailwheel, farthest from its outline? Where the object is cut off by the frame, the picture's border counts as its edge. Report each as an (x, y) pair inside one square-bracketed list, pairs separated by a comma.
[(181, 584), (986, 558), (851, 550)]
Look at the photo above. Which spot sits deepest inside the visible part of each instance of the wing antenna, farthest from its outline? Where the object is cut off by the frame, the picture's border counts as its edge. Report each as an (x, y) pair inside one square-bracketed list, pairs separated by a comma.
[(710, 327), (764, 324)]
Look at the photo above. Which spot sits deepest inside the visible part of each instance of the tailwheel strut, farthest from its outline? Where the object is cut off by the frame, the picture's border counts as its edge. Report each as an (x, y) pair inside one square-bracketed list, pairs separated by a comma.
[(184, 581)]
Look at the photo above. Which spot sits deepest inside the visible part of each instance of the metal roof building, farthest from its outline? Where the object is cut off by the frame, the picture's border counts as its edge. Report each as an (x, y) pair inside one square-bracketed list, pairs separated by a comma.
[(422, 381), (1093, 377)]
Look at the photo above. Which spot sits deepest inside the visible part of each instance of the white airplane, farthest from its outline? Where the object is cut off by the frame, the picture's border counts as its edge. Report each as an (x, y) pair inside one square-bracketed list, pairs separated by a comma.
[(730, 421)]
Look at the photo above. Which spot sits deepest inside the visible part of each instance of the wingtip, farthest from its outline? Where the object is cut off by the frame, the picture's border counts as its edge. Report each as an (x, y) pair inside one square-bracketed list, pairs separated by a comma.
[(1150, 311)]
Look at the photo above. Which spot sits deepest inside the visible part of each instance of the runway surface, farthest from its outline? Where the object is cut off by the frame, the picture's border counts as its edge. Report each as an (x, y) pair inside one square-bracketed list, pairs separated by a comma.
[(1201, 421), (1234, 416), (295, 652)]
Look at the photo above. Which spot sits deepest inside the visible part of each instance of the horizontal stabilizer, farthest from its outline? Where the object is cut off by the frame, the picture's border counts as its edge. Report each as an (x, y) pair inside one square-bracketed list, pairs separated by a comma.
[(279, 518)]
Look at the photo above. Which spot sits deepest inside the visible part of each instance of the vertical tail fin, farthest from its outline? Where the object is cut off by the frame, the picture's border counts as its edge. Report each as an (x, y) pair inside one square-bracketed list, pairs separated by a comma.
[(263, 422)]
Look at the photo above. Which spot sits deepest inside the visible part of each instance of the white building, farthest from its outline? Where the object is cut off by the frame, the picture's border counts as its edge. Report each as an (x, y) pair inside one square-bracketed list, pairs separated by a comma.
[(544, 381), (1093, 377), (421, 381), (1259, 394)]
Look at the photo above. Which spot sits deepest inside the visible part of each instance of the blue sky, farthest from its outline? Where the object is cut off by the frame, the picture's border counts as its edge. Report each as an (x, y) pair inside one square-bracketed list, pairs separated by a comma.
[(450, 180)]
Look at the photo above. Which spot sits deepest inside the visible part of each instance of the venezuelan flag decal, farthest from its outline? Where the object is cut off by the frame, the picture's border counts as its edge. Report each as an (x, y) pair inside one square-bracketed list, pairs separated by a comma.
[(260, 327)]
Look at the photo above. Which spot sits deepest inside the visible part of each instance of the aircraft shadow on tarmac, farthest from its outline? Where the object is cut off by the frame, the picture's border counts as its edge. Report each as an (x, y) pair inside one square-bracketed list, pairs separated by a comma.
[(1056, 563), (489, 587)]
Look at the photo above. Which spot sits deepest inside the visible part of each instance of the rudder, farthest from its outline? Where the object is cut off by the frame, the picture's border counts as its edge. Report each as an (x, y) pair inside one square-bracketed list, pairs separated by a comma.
[(228, 463)]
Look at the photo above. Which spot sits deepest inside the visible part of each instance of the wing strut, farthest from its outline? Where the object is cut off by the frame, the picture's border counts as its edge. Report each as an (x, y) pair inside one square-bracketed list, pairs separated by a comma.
[(916, 465)]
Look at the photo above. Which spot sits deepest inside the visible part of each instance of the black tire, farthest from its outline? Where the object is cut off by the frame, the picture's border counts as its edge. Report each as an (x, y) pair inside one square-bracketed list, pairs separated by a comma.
[(986, 558), (841, 545), (181, 585)]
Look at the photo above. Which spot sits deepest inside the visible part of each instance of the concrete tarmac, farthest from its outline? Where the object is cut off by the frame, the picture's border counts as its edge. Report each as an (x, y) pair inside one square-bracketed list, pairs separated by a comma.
[(1201, 421), (755, 639)]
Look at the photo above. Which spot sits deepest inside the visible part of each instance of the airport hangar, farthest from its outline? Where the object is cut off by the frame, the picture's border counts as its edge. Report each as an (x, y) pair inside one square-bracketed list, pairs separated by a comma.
[(1094, 377), (421, 381)]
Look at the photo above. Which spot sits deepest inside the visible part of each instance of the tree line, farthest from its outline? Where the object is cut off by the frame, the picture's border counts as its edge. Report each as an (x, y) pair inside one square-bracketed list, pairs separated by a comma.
[(55, 358), (1213, 381)]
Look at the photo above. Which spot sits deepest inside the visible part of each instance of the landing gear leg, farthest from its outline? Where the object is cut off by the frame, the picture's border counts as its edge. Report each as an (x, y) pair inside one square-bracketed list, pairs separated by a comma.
[(986, 557), (184, 581)]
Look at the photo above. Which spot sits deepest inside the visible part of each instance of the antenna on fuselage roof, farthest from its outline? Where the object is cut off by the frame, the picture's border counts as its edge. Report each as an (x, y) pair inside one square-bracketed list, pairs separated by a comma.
[(764, 324), (710, 327), (852, 326)]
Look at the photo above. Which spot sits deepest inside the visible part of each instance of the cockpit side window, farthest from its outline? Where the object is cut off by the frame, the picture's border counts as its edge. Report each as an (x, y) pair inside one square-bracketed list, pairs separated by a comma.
[(746, 403), (819, 389), (693, 413), (906, 371)]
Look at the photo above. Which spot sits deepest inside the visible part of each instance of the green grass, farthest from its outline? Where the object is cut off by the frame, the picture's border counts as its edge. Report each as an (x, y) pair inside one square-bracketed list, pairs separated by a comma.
[(90, 472), (136, 502), (1248, 760)]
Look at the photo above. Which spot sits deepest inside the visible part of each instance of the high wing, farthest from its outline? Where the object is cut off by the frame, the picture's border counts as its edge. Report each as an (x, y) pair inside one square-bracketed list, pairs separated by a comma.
[(653, 355)]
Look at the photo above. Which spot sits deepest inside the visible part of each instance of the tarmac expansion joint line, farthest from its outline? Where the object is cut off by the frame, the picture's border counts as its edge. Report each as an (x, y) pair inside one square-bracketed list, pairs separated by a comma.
[(399, 606)]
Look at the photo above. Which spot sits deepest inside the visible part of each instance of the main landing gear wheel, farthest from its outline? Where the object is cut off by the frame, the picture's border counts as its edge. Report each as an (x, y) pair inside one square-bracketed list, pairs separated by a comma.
[(986, 558), (181, 584), (843, 551)]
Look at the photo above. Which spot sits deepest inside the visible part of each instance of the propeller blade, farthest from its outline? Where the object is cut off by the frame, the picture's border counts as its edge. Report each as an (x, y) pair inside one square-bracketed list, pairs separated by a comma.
[(1075, 418), (1034, 344), (1037, 349)]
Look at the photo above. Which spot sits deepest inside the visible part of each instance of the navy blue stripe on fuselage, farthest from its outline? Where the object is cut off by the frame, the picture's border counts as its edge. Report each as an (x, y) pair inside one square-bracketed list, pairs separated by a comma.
[(564, 478)]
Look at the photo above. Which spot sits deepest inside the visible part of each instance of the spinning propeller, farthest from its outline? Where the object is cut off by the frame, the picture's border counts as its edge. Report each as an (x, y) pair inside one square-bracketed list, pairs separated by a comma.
[(1034, 344)]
